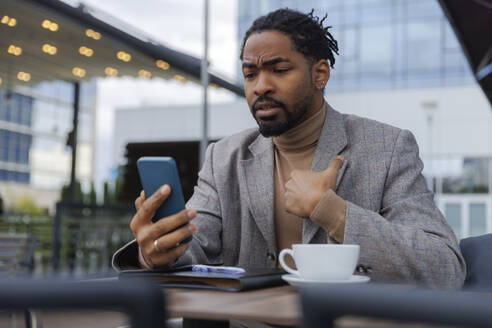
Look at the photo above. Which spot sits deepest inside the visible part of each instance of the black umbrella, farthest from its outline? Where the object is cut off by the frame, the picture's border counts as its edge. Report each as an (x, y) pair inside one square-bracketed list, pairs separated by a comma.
[(472, 23)]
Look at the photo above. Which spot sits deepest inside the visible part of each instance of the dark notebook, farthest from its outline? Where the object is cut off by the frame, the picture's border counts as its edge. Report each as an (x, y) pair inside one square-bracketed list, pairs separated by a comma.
[(184, 277)]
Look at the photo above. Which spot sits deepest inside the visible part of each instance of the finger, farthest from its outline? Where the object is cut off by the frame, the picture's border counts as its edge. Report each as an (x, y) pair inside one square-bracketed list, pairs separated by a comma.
[(296, 174), (171, 222), (149, 206), (145, 262), (147, 234), (169, 257), (292, 211), (336, 163), (140, 199), (288, 185), (172, 239)]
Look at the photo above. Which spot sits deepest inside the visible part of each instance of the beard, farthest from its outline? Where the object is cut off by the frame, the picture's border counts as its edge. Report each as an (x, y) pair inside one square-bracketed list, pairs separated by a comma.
[(273, 127)]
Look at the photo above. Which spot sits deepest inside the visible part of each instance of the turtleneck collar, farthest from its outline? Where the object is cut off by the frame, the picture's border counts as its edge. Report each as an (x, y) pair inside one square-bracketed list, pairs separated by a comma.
[(303, 136)]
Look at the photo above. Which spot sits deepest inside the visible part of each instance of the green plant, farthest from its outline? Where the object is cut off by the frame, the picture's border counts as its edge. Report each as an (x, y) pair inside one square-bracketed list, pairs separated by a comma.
[(107, 194), (26, 205), (480, 189), (92, 197), (66, 195)]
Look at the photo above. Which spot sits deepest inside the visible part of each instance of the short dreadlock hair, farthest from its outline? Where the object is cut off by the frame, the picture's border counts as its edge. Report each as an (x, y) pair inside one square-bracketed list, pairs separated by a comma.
[(306, 31)]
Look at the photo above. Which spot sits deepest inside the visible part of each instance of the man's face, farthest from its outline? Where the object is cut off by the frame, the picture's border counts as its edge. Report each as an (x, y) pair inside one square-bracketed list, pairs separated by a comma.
[(277, 82)]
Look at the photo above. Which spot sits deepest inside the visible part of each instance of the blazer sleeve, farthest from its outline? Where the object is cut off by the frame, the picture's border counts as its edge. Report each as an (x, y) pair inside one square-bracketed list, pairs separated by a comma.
[(206, 246), (408, 239)]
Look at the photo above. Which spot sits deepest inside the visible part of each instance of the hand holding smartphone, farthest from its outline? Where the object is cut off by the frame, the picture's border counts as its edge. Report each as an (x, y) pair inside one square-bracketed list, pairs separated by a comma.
[(154, 173)]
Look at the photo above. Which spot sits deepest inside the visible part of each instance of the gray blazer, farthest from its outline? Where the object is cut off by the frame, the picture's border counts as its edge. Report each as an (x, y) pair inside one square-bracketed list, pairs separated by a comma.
[(391, 214)]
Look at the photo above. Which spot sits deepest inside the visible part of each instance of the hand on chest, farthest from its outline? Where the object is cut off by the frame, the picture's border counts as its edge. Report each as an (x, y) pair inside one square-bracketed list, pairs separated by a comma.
[(298, 189)]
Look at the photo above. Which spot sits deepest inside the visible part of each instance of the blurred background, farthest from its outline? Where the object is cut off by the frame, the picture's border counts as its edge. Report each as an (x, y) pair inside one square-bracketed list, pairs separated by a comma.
[(86, 88)]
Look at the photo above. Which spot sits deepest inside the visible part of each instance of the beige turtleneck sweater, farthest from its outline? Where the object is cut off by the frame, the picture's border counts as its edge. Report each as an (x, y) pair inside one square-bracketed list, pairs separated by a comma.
[(295, 149)]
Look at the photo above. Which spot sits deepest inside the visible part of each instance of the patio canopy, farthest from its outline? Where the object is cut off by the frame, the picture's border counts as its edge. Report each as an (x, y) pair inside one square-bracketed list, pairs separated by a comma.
[(43, 40), (472, 23)]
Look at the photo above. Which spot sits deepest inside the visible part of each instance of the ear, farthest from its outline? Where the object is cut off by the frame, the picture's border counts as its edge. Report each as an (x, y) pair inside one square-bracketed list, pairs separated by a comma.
[(321, 73)]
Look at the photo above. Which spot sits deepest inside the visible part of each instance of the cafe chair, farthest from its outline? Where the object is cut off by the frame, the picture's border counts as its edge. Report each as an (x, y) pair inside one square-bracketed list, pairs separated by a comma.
[(141, 301), (321, 305), (477, 252)]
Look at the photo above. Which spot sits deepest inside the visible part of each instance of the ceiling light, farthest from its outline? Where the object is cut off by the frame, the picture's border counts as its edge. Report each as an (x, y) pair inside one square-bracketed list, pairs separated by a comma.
[(14, 50), (144, 73), (49, 49), (88, 52), (93, 34), (111, 71), (23, 76), (124, 56), (162, 64), (12, 22), (179, 78), (77, 71), (49, 25)]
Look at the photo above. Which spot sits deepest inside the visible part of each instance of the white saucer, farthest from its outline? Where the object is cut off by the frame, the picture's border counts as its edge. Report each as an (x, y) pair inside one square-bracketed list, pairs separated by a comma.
[(297, 281)]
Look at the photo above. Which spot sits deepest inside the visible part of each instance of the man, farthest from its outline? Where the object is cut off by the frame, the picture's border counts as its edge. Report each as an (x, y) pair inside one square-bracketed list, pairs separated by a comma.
[(308, 175)]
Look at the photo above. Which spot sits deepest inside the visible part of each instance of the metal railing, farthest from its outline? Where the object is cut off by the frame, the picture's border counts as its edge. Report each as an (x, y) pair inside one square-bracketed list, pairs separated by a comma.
[(85, 237), (77, 242)]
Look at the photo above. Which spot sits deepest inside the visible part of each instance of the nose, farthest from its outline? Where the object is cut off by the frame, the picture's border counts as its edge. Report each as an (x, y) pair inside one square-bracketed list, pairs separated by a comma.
[(263, 85)]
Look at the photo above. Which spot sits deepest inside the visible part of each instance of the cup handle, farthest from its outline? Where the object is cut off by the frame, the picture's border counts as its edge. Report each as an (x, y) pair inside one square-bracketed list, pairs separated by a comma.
[(282, 262)]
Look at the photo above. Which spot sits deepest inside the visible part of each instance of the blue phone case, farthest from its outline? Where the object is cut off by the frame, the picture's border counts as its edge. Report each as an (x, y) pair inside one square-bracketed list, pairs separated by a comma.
[(155, 172)]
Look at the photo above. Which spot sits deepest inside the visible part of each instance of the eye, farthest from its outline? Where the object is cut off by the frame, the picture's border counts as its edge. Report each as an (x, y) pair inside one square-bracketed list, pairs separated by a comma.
[(249, 75), (280, 70)]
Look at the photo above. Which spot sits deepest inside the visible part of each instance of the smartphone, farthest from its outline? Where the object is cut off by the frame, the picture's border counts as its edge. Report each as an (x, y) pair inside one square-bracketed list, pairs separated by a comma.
[(155, 172)]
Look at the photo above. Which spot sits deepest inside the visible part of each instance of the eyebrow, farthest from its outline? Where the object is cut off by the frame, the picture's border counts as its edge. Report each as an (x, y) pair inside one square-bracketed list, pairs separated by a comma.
[(269, 62)]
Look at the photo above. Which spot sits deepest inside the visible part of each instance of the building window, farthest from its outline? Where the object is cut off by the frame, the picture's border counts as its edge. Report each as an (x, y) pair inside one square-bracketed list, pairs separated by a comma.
[(452, 212), (478, 224)]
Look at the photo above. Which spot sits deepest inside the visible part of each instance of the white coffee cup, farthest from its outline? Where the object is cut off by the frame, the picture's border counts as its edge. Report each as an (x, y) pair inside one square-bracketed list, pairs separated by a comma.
[(322, 261)]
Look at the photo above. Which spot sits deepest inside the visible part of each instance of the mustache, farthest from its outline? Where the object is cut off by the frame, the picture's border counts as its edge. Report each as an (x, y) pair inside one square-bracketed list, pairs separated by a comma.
[(269, 99)]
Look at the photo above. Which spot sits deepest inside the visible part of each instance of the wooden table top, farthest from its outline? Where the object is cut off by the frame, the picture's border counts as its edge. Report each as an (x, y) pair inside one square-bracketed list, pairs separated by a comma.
[(278, 305)]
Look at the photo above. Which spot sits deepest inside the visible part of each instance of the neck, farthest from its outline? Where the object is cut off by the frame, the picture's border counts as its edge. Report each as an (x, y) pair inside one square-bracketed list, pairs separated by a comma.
[(318, 104), (303, 136)]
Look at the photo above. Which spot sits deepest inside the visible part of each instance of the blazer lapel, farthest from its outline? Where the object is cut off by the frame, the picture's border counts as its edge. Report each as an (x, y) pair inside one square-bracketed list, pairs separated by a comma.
[(258, 174), (332, 141)]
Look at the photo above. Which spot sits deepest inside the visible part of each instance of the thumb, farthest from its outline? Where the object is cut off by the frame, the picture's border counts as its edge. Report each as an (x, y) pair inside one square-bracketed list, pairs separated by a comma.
[(336, 163)]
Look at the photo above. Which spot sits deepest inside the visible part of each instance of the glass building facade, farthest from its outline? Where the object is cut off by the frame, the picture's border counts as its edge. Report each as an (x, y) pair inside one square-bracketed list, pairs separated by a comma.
[(388, 45), (52, 122), (383, 44), (15, 136), (35, 122)]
